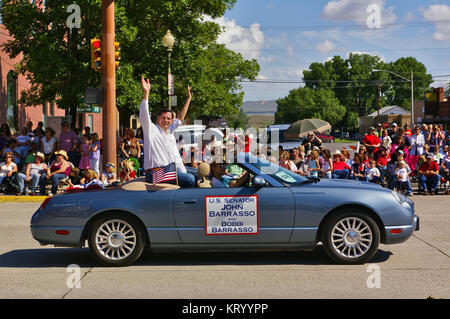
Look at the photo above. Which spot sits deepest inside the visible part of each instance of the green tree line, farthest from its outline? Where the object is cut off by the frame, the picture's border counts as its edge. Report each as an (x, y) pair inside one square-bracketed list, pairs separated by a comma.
[(340, 90), (56, 59)]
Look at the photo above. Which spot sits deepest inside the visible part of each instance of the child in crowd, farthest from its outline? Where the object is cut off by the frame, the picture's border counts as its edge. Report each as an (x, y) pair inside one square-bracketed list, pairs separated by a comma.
[(373, 175), (74, 177), (128, 172), (402, 176), (109, 174), (84, 162), (89, 176), (94, 153)]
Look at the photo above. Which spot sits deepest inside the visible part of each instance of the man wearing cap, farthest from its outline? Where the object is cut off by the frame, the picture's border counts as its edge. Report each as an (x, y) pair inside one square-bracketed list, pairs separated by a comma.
[(429, 175), (394, 131), (379, 130), (311, 141), (371, 141), (159, 141)]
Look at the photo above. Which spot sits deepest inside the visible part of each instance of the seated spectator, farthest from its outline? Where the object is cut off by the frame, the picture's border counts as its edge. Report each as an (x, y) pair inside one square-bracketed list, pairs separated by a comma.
[(382, 161), (89, 176), (429, 175), (23, 143), (74, 177), (445, 168), (109, 174), (286, 162), (11, 148), (295, 157), (128, 171), (371, 141), (312, 162), (327, 168), (402, 177), (373, 174), (8, 169), (385, 139), (437, 155), (34, 171), (358, 169), (57, 171), (340, 169)]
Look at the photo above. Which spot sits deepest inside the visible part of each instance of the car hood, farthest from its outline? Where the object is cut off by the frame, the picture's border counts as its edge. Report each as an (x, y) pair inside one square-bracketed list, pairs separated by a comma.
[(345, 183)]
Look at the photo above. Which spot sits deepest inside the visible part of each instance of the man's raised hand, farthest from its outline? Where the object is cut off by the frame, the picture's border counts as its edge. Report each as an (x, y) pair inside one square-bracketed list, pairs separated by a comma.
[(145, 84)]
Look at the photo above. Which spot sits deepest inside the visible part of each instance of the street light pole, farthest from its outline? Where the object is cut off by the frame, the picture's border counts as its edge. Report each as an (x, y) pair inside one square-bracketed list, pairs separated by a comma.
[(168, 42), (411, 80)]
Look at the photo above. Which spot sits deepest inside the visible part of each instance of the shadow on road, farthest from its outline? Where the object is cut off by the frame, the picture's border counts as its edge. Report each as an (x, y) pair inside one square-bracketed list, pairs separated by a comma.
[(62, 257)]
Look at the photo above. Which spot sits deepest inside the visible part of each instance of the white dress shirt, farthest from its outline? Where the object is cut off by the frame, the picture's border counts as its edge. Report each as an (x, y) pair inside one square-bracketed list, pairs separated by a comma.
[(417, 142), (160, 148)]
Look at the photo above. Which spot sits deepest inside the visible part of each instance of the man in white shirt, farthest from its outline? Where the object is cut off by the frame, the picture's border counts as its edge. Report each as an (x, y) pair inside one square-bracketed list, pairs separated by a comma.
[(159, 141)]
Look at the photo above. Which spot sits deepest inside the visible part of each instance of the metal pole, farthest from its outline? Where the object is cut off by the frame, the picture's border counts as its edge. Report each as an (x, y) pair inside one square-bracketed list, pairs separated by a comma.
[(109, 82), (412, 98), (169, 53)]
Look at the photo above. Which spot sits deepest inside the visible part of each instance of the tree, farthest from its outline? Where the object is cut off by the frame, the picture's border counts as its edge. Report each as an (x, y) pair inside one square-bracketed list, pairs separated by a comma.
[(56, 60), (355, 81), (303, 103)]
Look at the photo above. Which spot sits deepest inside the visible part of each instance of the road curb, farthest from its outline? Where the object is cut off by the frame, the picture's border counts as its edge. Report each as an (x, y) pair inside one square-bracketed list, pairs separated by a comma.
[(22, 199)]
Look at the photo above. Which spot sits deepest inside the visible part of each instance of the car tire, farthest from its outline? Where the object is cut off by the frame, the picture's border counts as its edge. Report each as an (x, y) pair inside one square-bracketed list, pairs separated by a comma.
[(350, 237), (116, 240)]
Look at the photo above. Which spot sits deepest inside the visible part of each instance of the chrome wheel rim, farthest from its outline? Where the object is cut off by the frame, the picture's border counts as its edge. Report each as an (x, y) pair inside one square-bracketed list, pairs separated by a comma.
[(351, 237), (115, 239)]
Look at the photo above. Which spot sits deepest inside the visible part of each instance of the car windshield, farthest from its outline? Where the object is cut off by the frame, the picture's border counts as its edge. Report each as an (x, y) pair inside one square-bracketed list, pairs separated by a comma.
[(279, 173)]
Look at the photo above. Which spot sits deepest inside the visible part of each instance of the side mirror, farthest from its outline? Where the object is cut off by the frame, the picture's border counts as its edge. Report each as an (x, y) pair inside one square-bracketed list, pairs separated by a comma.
[(259, 181)]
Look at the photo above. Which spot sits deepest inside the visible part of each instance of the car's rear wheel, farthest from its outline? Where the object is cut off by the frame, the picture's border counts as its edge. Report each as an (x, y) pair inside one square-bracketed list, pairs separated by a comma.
[(350, 237), (116, 240)]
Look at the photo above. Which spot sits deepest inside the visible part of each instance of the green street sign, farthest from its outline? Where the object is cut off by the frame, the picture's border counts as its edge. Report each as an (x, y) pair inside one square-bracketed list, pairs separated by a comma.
[(89, 109)]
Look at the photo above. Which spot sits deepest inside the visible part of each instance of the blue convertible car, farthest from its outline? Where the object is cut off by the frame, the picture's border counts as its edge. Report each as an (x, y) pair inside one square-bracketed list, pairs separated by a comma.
[(275, 210)]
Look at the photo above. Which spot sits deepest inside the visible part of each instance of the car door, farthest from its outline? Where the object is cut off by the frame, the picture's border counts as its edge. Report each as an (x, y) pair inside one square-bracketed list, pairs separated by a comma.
[(244, 215)]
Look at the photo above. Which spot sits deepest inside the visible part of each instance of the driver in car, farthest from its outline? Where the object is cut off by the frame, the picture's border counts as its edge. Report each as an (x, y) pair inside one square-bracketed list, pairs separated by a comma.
[(218, 171)]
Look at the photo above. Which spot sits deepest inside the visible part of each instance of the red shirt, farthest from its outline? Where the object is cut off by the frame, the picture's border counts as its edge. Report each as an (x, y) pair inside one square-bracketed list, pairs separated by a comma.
[(382, 161), (247, 146), (433, 166), (337, 166)]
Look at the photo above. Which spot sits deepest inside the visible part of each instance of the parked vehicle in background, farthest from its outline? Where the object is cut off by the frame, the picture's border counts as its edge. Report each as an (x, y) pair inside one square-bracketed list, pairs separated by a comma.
[(286, 144), (325, 137)]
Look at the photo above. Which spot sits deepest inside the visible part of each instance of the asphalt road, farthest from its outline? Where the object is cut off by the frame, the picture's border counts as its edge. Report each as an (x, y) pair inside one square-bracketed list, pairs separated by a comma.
[(418, 268)]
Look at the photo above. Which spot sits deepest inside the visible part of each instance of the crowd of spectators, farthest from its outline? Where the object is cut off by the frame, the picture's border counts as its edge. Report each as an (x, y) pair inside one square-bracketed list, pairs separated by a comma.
[(33, 158), (387, 157)]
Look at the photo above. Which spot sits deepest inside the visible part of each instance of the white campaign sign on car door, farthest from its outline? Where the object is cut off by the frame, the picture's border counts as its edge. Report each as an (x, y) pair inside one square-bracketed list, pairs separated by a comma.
[(231, 215)]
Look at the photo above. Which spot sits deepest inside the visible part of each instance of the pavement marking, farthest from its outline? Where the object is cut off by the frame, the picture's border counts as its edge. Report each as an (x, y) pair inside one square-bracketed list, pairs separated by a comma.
[(22, 199)]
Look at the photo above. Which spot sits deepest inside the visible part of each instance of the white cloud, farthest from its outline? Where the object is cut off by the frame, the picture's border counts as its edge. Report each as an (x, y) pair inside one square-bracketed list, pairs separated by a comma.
[(290, 50), (325, 46), (247, 41), (356, 11), (436, 13)]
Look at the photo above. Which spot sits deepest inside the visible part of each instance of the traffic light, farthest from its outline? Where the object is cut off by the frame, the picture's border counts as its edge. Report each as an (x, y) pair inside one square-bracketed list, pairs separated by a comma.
[(96, 54), (117, 54)]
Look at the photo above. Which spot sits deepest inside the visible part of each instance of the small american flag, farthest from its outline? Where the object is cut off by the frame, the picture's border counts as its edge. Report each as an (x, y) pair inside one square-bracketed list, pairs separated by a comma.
[(164, 174)]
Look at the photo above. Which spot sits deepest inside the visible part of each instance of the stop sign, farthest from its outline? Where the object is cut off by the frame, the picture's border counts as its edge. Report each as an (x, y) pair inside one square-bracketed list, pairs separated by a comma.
[(385, 125)]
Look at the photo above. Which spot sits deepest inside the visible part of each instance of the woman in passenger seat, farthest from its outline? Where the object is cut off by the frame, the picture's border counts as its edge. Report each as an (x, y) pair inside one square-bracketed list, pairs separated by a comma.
[(217, 180)]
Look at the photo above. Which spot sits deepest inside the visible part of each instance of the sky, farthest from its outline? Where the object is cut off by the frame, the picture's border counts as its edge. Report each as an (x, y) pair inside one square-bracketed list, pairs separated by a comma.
[(286, 36)]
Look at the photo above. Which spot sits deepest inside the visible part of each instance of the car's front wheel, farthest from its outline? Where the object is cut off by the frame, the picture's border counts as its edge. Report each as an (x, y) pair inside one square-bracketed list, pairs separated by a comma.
[(350, 237), (116, 240)]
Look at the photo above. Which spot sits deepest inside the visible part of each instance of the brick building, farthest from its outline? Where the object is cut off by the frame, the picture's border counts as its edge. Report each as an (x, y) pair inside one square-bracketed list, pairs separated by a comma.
[(437, 108), (16, 114)]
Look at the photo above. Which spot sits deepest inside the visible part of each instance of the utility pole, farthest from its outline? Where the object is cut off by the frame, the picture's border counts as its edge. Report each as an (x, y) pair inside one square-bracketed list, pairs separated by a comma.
[(109, 83), (378, 99)]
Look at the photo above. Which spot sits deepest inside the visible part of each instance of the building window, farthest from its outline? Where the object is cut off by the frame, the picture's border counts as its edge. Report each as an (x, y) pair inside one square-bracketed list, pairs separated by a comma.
[(11, 100)]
